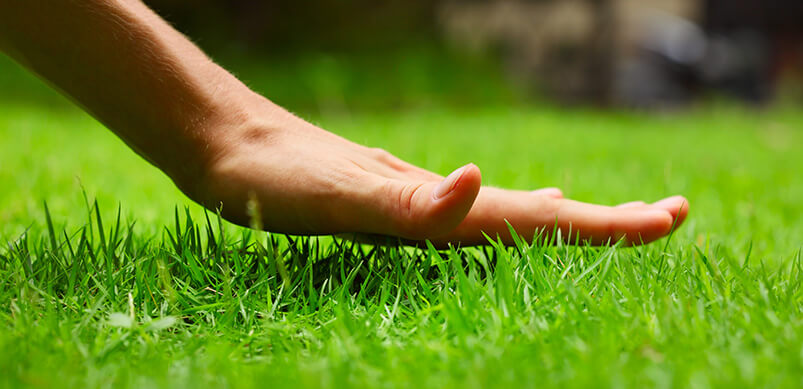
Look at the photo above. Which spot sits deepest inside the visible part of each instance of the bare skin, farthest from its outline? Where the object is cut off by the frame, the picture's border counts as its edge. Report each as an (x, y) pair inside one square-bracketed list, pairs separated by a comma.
[(223, 144)]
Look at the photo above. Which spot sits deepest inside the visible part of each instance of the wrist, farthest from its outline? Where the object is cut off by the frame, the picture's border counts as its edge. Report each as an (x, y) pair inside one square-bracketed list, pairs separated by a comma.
[(232, 125)]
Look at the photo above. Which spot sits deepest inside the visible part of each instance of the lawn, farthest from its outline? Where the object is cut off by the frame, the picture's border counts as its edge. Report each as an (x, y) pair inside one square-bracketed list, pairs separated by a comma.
[(120, 281)]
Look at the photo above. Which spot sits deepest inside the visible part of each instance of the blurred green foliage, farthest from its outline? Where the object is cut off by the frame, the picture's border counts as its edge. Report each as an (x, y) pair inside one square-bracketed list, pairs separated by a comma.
[(333, 83)]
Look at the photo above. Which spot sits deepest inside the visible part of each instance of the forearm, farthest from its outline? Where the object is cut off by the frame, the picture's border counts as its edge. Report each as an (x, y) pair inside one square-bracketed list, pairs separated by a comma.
[(130, 70)]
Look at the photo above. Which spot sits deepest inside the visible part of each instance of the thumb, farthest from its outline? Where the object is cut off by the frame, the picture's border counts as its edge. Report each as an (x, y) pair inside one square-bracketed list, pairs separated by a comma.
[(425, 209)]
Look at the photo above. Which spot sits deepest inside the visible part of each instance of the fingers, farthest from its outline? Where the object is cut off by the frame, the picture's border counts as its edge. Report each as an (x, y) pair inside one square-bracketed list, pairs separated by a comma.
[(528, 212), (677, 206), (600, 224), (415, 204), (419, 209)]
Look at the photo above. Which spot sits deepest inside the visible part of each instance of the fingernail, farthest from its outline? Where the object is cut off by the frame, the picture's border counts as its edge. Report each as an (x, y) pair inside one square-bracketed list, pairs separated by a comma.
[(670, 201), (449, 183)]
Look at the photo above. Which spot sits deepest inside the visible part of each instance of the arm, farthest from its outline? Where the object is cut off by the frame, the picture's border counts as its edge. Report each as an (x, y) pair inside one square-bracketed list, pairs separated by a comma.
[(223, 144), (131, 71)]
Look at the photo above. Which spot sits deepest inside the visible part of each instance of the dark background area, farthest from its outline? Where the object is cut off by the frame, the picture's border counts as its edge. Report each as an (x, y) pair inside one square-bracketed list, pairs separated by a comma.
[(410, 52), (339, 56), (282, 26)]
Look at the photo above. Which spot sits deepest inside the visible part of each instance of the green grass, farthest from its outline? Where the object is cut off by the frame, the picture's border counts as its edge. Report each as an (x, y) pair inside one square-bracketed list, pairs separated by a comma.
[(162, 294)]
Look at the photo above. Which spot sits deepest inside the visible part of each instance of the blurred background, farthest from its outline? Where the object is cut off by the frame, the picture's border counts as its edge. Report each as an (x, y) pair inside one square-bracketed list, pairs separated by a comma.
[(537, 93), (334, 56)]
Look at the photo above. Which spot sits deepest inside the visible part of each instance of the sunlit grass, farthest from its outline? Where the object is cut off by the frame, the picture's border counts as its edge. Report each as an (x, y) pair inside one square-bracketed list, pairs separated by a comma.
[(137, 290)]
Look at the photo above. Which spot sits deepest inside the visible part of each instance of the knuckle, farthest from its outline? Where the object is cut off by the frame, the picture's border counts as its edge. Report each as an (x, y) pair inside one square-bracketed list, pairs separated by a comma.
[(381, 154), (406, 215), (551, 207), (407, 194)]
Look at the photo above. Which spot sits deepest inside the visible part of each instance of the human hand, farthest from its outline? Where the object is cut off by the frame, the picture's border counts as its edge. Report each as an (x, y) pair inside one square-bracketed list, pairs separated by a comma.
[(309, 181)]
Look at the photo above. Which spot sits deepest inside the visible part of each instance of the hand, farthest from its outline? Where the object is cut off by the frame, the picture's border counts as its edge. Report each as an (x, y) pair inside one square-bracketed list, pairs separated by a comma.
[(309, 181)]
